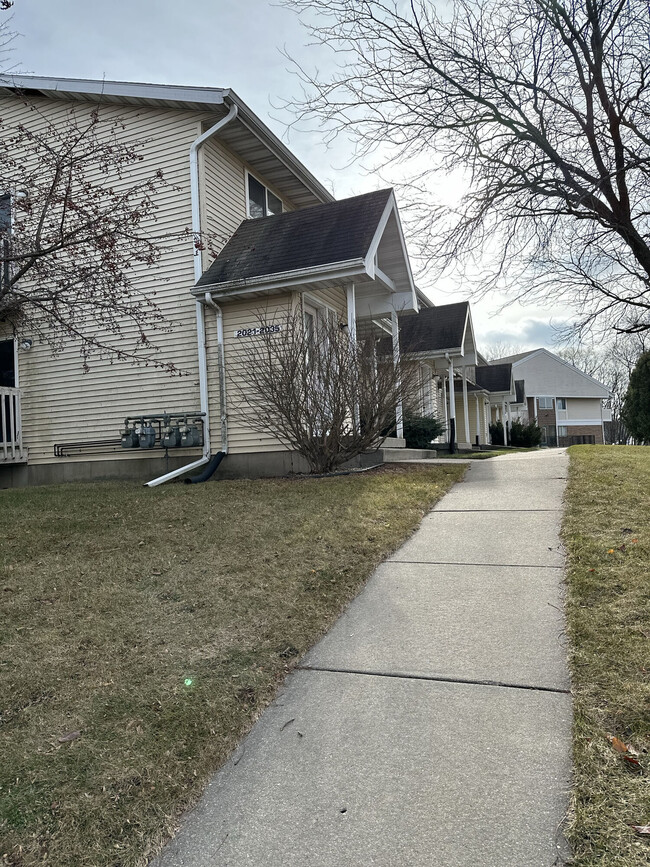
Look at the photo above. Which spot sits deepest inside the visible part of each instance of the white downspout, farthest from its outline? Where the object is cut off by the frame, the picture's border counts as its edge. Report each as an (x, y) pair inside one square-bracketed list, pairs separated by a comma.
[(200, 313), (222, 372)]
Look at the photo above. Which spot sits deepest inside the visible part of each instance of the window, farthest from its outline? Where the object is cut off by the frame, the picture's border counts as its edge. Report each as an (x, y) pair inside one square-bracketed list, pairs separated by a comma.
[(562, 430), (261, 201), (561, 403), (546, 403)]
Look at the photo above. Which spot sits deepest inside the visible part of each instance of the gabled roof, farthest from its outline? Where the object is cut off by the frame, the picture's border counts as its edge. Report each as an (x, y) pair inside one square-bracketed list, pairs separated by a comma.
[(510, 359), (326, 234), (247, 135), (434, 329), (564, 379), (494, 377)]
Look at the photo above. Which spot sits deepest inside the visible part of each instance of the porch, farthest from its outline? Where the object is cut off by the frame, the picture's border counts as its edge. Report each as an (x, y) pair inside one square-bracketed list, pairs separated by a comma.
[(11, 435)]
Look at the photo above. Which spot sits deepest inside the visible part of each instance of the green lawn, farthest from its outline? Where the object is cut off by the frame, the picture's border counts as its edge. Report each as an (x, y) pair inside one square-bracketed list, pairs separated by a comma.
[(143, 631), (607, 534)]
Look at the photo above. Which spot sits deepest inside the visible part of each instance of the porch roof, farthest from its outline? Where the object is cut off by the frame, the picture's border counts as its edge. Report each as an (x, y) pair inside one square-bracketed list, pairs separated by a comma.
[(435, 330), (495, 377), (357, 240)]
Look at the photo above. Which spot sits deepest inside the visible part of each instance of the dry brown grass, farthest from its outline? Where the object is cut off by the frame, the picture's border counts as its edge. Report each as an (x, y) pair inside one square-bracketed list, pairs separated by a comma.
[(607, 534), (158, 623)]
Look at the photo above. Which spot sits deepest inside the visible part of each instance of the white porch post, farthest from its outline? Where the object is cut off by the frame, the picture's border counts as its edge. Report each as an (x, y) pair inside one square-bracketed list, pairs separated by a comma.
[(399, 413), (478, 419), (352, 334), (352, 312), (509, 414), (465, 407), (504, 422), (444, 400), (452, 408)]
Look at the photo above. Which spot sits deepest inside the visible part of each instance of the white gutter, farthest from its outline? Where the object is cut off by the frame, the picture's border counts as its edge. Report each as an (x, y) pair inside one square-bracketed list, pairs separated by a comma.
[(200, 313), (329, 271)]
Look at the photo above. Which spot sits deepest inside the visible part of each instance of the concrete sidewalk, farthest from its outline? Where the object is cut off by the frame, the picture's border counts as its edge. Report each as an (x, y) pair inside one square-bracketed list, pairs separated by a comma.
[(431, 726)]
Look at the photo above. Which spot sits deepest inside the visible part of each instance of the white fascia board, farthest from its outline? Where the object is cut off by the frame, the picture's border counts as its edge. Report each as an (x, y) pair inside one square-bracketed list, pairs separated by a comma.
[(391, 207), (526, 357), (259, 129), (126, 89), (207, 96), (423, 300), (337, 271)]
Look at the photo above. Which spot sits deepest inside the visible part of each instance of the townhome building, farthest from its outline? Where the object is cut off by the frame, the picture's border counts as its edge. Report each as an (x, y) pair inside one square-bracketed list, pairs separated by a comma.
[(567, 404), (231, 178)]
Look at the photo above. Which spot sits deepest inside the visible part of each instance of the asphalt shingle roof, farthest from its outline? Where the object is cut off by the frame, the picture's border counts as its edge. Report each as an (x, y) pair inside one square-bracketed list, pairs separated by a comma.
[(320, 235), (434, 328), (510, 359), (494, 377)]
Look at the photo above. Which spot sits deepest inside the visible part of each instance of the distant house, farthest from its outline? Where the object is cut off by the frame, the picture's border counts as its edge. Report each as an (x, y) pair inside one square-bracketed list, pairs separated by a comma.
[(566, 403)]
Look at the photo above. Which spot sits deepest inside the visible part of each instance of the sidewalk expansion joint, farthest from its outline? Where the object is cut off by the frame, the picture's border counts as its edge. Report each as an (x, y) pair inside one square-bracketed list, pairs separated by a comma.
[(435, 678), (452, 563), (438, 511)]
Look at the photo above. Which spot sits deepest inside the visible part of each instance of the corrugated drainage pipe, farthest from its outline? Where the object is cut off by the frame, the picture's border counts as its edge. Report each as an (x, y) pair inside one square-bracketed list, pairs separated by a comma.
[(208, 471)]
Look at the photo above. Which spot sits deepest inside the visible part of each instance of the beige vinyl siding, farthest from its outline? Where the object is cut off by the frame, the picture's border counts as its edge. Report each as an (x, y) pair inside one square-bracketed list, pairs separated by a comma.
[(242, 438), (61, 403), (223, 203)]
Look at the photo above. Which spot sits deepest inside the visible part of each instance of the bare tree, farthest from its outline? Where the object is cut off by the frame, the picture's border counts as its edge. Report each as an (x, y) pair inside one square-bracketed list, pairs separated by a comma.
[(501, 350), (543, 105), (75, 224), (326, 395)]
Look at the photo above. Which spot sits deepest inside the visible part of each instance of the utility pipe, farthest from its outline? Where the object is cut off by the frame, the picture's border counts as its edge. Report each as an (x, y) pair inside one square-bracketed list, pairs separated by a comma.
[(197, 144)]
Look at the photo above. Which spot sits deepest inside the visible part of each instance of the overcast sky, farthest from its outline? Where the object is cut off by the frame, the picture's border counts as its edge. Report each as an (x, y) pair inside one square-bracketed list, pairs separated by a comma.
[(236, 44)]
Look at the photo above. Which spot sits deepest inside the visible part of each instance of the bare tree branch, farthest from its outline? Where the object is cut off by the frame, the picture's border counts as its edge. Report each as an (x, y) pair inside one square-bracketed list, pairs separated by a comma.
[(544, 106), (318, 391)]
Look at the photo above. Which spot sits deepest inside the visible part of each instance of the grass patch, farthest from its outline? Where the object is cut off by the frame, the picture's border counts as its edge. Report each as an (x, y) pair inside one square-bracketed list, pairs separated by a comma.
[(157, 624), (607, 534)]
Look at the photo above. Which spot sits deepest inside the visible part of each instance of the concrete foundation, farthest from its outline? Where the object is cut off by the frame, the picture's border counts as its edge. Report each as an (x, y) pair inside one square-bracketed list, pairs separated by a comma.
[(251, 466)]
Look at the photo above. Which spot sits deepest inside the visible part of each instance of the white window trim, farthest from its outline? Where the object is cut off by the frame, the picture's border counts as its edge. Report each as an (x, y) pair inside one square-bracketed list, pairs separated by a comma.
[(307, 298), (250, 174)]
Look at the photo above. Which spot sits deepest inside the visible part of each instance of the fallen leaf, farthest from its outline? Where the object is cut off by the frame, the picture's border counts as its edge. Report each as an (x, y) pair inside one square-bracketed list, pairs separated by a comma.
[(610, 551), (70, 736), (642, 830), (618, 744), (633, 763)]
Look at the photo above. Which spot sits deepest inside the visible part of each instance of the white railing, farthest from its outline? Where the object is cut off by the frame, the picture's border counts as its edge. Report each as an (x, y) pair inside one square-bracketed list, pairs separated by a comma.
[(11, 435)]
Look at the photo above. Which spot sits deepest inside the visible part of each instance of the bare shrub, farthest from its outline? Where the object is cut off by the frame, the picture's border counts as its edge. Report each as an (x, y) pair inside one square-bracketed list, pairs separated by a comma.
[(318, 390)]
